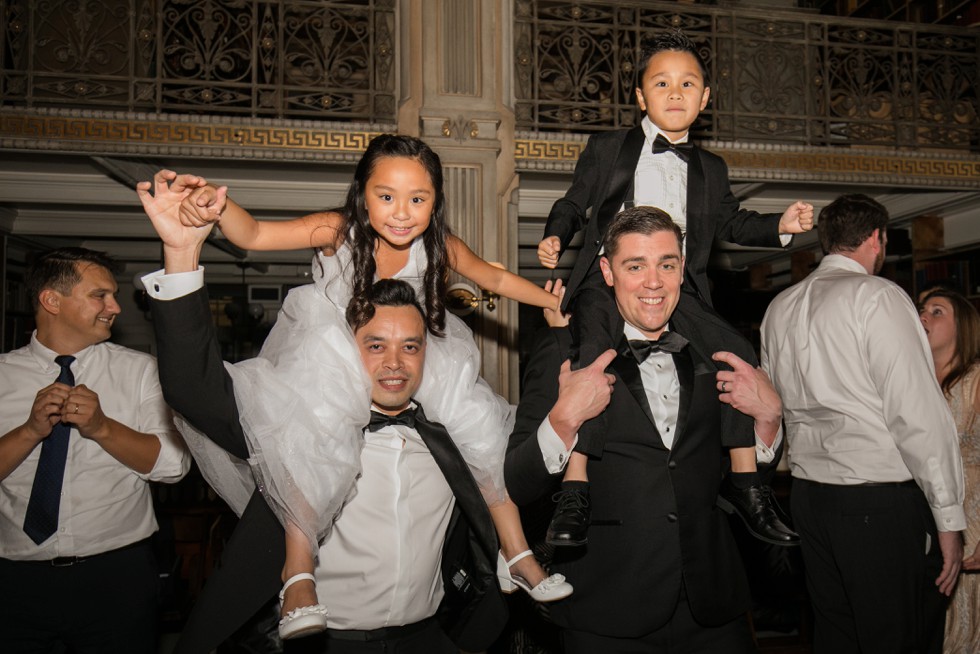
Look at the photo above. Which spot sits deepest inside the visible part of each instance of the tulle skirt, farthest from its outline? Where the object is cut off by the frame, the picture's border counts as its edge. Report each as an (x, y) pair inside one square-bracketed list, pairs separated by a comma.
[(305, 400)]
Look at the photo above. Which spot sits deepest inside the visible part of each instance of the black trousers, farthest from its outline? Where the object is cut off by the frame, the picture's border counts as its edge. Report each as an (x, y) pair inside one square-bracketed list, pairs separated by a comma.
[(681, 635), (871, 559), (425, 637), (105, 604)]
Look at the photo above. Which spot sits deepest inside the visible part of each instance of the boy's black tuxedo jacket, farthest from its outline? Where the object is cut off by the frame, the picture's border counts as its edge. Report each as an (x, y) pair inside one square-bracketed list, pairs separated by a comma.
[(602, 176), (196, 385), (655, 522)]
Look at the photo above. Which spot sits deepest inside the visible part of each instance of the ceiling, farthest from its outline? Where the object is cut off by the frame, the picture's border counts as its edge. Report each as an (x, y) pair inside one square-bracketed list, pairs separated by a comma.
[(51, 199)]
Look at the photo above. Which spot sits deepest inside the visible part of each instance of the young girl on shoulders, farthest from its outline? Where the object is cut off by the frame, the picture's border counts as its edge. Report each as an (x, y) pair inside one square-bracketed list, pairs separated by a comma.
[(393, 224)]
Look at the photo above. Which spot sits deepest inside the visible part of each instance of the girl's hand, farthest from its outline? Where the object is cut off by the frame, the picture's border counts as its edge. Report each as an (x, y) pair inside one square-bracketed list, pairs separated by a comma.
[(204, 206), (553, 316), (163, 208)]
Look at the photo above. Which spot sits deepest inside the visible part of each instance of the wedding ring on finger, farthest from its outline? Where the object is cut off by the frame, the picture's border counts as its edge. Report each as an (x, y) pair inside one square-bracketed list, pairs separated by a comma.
[(724, 387), (76, 409)]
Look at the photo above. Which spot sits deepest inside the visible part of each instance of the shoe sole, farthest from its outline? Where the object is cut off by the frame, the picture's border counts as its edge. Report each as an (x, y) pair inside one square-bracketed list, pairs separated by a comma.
[(730, 509), (566, 543)]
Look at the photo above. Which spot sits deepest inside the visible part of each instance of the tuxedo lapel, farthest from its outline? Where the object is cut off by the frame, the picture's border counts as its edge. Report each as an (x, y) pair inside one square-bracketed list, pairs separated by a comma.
[(627, 370), (685, 377), (694, 232), (622, 176)]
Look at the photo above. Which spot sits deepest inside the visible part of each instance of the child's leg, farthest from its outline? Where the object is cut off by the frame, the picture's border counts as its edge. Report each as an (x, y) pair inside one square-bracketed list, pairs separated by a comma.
[(596, 326), (743, 460), (298, 560), (576, 469), (742, 491), (507, 521)]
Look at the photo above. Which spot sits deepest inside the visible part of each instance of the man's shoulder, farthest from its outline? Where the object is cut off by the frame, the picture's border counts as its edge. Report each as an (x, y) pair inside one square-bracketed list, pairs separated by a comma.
[(549, 340), (611, 137), (838, 289), (120, 354), (15, 356)]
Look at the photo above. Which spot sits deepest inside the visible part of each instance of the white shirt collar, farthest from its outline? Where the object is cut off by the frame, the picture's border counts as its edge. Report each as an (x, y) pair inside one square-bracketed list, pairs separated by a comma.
[(652, 130), (634, 334), (842, 262)]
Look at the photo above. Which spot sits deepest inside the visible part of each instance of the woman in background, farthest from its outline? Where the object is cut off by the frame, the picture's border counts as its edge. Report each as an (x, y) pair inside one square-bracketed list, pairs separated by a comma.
[(952, 326)]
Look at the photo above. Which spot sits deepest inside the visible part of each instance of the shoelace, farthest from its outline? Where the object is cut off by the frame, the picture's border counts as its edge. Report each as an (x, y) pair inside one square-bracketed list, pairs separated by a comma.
[(570, 500)]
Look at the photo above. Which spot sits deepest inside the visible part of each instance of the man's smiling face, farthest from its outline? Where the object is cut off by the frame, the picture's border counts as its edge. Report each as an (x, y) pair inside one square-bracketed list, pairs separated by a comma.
[(392, 348), (646, 272)]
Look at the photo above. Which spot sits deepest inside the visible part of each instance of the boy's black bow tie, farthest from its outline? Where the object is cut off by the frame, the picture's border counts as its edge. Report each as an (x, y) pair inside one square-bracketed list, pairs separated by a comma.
[(682, 150), (668, 342)]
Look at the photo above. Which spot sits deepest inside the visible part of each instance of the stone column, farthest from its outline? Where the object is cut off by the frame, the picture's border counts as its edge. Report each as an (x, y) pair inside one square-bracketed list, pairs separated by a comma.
[(455, 93)]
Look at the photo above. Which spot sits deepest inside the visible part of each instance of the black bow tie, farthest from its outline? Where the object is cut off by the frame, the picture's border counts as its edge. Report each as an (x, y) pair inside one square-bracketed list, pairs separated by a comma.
[(682, 150), (406, 418), (668, 342)]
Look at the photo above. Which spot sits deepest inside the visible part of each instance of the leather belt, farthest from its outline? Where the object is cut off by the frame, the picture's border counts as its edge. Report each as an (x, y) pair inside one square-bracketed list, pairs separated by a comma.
[(66, 561), (384, 633)]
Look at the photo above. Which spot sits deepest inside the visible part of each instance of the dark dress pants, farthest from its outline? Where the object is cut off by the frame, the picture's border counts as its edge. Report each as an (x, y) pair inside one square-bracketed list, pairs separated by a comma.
[(871, 559), (681, 635), (105, 604), (428, 639)]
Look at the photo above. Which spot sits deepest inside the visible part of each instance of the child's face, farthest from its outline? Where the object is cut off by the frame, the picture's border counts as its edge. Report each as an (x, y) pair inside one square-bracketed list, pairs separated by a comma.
[(399, 198), (672, 92)]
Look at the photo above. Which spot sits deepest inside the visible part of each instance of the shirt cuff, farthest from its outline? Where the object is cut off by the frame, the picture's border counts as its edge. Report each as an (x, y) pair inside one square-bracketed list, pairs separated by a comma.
[(161, 286), (553, 449), (764, 453), (949, 518), (785, 239), (173, 462)]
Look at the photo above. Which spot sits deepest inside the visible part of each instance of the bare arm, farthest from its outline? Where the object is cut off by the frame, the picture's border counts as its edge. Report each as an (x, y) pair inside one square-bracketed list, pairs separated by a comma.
[(502, 282), (313, 230), (135, 450), (211, 204)]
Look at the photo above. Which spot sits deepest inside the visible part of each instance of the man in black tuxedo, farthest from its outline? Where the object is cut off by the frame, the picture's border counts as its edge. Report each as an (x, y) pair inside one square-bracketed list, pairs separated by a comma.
[(655, 164), (661, 569), (399, 602)]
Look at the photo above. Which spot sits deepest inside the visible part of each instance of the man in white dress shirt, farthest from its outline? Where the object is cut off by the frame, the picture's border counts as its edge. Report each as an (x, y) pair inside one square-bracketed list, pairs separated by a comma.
[(382, 570), (878, 481), (85, 429)]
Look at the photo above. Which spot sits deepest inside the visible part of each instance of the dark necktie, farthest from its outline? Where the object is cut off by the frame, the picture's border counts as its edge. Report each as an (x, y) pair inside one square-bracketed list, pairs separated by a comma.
[(671, 342), (41, 518), (450, 462), (682, 150)]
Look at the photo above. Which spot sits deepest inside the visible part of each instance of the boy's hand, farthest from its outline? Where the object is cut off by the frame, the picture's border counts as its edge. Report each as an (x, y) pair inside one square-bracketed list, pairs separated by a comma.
[(203, 206), (548, 251), (797, 219)]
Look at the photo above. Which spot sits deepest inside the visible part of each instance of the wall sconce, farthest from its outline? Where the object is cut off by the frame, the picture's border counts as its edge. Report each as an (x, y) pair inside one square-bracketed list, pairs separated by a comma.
[(462, 300)]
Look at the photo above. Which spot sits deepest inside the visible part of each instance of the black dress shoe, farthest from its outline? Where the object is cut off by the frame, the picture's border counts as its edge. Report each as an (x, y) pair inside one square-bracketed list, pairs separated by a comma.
[(757, 508), (570, 524)]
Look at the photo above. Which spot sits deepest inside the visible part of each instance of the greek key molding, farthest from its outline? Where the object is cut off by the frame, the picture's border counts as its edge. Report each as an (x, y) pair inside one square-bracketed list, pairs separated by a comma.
[(186, 136), (789, 163)]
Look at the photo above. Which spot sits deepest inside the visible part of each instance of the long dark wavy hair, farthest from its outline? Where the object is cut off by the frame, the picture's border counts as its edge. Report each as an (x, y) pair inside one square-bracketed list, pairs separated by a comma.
[(363, 238), (967, 322)]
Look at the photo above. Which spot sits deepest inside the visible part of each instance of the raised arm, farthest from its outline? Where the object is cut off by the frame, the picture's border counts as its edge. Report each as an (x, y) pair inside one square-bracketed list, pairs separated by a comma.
[(211, 204), (502, 282)]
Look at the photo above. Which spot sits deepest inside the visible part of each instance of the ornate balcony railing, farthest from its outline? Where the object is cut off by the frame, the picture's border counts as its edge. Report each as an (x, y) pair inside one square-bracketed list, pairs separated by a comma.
[(795, 78), (256, 58)]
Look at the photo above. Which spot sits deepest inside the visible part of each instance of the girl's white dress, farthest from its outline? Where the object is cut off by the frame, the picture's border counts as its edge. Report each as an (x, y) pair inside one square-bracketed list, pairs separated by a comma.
[(305, 400)]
